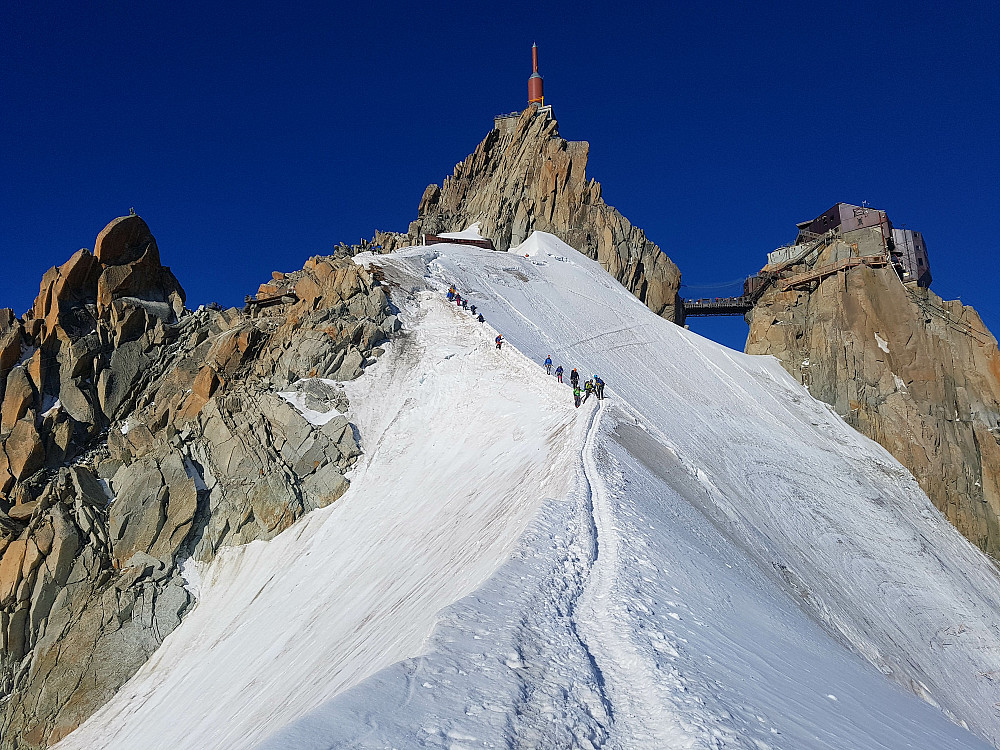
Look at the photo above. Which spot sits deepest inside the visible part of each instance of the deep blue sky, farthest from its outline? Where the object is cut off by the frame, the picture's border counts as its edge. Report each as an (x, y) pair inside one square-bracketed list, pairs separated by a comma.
[(254, 135)]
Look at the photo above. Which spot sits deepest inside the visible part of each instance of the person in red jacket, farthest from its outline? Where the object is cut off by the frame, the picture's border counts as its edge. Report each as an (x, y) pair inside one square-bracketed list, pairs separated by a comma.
[(499, 341)]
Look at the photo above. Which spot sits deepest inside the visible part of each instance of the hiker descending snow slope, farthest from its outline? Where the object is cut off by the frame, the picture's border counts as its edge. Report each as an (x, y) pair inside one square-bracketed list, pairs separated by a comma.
[(716, 560)]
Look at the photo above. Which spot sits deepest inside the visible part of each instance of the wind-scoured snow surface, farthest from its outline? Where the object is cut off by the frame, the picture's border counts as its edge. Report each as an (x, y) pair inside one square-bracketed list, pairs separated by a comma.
[(709, 558)]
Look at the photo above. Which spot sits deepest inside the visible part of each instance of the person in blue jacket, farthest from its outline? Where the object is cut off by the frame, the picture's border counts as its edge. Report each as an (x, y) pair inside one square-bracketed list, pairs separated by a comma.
[(559, 372), (599, 388), (548, 365)]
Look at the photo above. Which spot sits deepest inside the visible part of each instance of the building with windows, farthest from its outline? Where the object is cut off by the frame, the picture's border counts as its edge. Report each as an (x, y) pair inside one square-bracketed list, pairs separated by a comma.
[(868, 231), (909, 247), (843, 217)]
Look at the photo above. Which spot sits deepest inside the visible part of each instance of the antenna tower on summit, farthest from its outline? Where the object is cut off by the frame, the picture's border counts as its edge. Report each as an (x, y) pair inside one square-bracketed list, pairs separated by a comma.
[(535, 92)]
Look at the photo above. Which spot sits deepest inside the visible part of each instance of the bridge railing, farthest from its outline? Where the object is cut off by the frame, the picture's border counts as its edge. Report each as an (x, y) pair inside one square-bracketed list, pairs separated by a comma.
[(718, 306)]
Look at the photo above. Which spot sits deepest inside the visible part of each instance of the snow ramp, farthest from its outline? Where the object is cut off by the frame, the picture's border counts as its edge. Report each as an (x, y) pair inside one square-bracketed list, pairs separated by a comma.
[(709, 558)]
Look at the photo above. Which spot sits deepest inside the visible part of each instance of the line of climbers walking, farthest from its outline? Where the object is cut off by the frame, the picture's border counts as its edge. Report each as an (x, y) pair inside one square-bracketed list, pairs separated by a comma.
[(595, 386), (454, 296)]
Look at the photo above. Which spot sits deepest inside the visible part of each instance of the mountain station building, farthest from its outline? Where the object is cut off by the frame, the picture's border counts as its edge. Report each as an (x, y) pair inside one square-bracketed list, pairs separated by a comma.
[(870, 230)]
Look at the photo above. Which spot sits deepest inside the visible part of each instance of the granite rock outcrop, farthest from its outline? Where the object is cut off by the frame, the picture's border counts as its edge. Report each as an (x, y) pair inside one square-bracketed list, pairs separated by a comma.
[(917, 374), (524, 177), (136, 435)]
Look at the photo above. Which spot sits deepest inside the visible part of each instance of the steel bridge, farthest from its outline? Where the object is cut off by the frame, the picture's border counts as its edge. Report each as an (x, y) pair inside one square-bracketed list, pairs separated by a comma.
[(694, 308)]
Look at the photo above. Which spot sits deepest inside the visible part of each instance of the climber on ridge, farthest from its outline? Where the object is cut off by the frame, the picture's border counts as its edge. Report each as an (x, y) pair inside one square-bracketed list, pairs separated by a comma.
[(559, 372), (548, 365), (599, 388), (499, 341)]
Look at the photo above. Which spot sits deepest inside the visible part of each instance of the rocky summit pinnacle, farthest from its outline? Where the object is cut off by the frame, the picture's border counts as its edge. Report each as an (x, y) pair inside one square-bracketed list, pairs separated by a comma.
[(85, 308), (524, 177)]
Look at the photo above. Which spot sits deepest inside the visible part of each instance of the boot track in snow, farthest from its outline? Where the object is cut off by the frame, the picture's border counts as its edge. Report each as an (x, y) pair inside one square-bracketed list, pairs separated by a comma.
[(633, 690)]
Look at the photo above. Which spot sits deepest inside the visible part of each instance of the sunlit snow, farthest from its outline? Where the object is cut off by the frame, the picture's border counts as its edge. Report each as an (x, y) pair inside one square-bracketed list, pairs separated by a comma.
[(469, 233), (709, 558)]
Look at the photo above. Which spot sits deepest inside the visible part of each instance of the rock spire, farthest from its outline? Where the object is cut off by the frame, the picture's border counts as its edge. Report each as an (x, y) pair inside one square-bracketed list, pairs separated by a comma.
[(135, 434), (917, 374), (524, 177)]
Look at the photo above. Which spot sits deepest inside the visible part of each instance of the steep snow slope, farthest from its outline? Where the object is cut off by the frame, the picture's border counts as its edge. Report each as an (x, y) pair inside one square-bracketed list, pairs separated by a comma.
[(457, 462), (715, 559), (749, 533)]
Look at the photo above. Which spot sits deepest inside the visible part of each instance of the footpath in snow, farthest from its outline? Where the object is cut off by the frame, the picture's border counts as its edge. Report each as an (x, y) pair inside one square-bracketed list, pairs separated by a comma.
[(462, 446), (709, 558)]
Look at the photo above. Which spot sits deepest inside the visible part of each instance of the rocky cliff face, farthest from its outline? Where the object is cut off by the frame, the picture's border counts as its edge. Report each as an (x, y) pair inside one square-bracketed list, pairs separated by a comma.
[(919, 375), (55, 354), (524, 177), (135, 435)]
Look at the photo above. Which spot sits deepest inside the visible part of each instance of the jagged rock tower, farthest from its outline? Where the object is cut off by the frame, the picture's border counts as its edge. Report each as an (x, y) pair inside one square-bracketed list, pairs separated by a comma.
[(523, 177), (917, 374), (135, 434)]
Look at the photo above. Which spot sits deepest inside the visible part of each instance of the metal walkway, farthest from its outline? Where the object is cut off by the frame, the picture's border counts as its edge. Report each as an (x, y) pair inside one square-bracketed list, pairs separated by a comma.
[(694, 308), (872, 261)]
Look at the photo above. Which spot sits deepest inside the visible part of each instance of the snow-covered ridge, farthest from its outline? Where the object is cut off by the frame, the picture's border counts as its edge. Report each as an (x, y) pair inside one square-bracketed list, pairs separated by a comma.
[(457, 462), (710, 558)]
